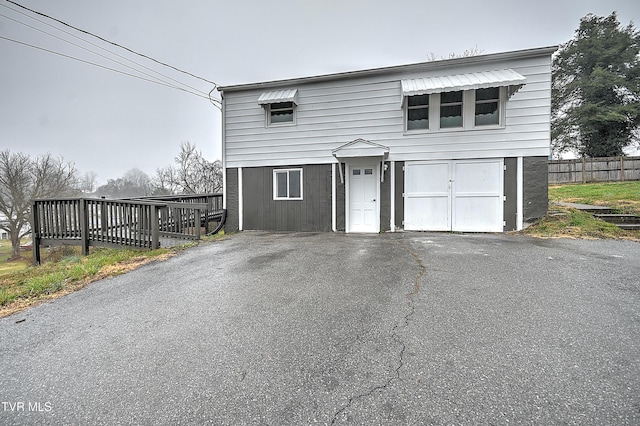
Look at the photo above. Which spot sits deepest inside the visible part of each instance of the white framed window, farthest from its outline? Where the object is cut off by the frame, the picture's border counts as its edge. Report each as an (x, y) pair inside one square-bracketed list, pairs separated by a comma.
[(417, 112), (287, 184), (451, 109), (487, 107), (280, 113)]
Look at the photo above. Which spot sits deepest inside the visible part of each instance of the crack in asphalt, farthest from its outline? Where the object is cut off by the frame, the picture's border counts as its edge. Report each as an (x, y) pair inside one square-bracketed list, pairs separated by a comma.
[(396, 338)]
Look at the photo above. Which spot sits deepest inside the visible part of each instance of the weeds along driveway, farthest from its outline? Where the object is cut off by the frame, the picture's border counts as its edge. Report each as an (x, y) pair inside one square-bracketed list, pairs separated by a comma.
[(407, 328)]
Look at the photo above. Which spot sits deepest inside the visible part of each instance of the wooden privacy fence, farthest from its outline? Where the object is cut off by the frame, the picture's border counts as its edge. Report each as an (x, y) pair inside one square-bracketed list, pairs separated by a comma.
[(601, 169), (138, 223)]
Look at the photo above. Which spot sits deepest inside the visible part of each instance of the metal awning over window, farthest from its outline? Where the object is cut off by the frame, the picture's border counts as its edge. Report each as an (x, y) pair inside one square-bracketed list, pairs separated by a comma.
[(276, 96), (455, 82)]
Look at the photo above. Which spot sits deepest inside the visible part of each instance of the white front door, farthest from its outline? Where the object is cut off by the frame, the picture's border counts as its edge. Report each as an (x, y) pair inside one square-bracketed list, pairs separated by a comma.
[(363, 199)]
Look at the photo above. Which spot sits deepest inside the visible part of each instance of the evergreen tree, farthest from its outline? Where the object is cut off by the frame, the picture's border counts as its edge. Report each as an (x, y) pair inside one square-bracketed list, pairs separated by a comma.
[(596, 89)]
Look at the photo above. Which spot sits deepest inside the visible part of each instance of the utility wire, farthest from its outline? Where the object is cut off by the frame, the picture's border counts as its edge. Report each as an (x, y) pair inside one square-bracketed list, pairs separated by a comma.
[(105, 67), (111, 42), (92, 44), (214, 101), (101, 55)]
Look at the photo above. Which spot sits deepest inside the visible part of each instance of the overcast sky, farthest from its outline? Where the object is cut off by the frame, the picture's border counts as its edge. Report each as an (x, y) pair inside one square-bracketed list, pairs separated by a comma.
[(107, 122)]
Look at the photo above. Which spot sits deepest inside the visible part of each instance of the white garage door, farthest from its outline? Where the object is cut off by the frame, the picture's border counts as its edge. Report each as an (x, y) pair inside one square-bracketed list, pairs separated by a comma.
[(457, 195)]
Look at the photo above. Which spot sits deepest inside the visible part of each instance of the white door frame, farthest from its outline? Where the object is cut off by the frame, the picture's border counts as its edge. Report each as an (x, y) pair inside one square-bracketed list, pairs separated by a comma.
[(359, 163)]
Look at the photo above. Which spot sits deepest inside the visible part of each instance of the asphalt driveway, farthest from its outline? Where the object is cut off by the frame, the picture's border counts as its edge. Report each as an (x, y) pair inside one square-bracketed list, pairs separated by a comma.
[(406, 328)]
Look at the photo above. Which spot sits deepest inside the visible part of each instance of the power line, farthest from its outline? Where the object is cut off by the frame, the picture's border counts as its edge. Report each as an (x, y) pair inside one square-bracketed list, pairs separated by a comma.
[(103, 66), (101, 55), (93, 44), (112, 43)]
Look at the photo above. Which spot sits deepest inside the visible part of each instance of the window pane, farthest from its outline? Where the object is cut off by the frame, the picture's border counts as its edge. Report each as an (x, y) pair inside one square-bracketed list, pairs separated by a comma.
[(281, 184), (487, 94), (356, 172), (418, 118), (487, 113), (449, 97), (294, 184), (285, 116), (282, 105), (451, 116), (418, 100), (368, 171)]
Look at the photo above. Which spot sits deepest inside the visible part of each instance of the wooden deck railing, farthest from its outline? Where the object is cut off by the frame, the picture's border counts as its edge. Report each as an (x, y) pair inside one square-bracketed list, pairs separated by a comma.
[(138, 223)]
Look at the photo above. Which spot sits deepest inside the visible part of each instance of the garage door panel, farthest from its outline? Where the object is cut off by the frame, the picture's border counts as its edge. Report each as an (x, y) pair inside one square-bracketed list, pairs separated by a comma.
[(476, 214), (425, 179), (427, 213), (478, 177), (477, 196)]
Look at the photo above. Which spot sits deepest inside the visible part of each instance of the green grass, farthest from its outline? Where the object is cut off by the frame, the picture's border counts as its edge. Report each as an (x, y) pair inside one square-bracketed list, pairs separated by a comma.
[(624, 197), (72, 271), (6, 252), (568, 222), (64, 270)]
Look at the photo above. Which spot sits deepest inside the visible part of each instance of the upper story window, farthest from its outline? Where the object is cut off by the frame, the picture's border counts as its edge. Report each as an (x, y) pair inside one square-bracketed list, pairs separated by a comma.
[(451, 109), (287, 184), (279, 106), (458, 101), (487, 106), (281, 112), (418, 112)]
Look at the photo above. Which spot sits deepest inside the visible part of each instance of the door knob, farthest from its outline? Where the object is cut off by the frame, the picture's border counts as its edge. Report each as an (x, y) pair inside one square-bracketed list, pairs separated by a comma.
[(373, 201)]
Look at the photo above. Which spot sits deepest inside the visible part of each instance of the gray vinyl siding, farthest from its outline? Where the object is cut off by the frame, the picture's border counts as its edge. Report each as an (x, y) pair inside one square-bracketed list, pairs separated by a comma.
[(332, 113), (536, 187), (262, 212), (511, 194)]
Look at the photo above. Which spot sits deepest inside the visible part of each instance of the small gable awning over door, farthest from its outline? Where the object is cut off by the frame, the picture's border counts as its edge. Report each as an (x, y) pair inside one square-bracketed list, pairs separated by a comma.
[(275, 96), (455, 82), (360, 148)]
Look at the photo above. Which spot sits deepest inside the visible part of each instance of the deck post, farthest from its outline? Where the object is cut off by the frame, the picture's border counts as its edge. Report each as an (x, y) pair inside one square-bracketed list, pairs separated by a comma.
[(84, 226), (197, 222), (155, 232), (35, 234)]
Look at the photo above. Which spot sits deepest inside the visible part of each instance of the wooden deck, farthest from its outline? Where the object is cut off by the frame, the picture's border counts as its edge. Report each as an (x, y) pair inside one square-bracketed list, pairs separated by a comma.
[(139, 223)]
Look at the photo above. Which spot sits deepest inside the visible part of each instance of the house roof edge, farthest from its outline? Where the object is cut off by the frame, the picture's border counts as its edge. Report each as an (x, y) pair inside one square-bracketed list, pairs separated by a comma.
[(487, 58)]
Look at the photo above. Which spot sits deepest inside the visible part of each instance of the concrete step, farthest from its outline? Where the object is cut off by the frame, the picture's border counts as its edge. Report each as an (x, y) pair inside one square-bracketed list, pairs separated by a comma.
[(619, 218), (629, 226), (588, 208)]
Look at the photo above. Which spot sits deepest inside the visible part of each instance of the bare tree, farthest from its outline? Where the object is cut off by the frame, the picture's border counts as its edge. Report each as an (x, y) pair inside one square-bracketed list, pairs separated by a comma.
[(134, 183), (23, 179), (193, 173), (473, 51), (88, 182)]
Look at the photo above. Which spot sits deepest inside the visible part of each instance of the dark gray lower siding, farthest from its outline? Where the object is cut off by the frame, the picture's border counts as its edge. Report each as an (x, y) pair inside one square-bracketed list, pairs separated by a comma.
[(231, 224), (340, 200), (536, 187), (262, 212), (511, 194)]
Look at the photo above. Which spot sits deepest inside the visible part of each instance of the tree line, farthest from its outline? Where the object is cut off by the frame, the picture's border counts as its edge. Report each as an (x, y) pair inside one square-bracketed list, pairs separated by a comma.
[(24, 178)]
